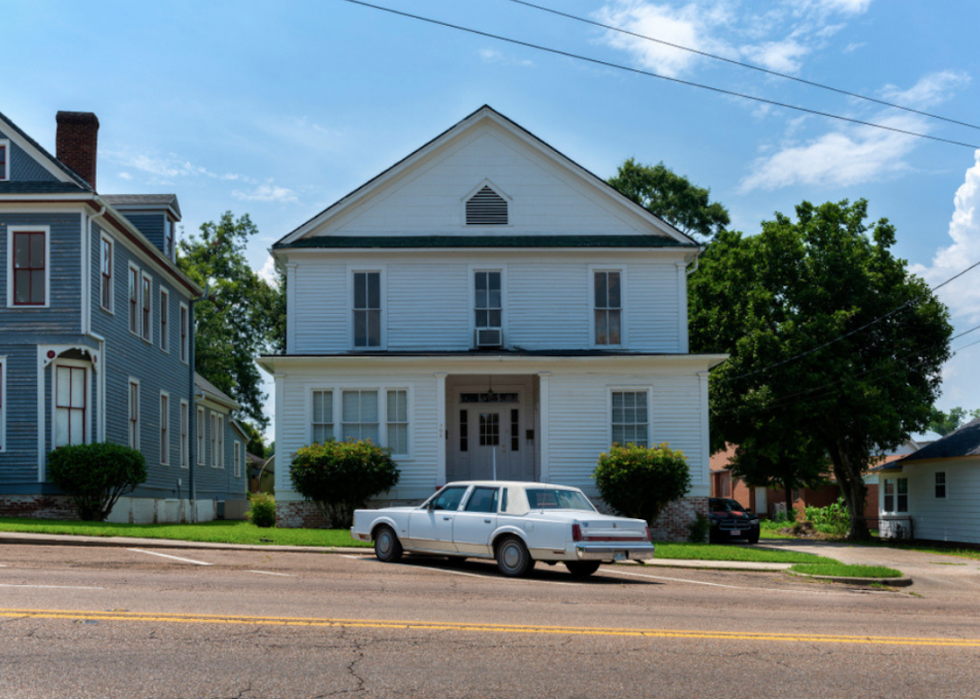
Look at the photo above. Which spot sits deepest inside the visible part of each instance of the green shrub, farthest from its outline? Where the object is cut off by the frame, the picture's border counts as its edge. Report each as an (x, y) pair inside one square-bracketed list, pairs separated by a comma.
[(96, 475), (698, 528), (640, 481), (262, 513), (834, 519), (340, 477)]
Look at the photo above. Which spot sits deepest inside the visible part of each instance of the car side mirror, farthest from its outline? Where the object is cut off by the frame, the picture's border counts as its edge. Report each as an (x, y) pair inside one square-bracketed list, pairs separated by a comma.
[(431, 505)]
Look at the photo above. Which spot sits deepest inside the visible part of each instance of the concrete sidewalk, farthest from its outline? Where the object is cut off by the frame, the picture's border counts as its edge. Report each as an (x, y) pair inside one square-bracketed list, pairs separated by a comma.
[(133, 542)]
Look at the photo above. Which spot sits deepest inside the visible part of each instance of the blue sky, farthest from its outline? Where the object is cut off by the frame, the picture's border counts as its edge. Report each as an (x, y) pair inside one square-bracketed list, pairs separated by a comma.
[(278, 109)]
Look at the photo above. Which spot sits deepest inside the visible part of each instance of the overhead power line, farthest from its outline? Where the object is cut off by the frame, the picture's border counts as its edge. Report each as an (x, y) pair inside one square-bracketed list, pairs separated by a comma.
[(743, 64), (651, 74), (855, 331)]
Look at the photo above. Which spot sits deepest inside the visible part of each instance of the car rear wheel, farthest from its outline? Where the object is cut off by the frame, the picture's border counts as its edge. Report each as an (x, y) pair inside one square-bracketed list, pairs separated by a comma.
[(582, 569), (387, 547), (513, 558)]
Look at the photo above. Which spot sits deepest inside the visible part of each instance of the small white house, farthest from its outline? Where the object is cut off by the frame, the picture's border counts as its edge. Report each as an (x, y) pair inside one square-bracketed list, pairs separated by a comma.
[(488, 308), (934, 492)]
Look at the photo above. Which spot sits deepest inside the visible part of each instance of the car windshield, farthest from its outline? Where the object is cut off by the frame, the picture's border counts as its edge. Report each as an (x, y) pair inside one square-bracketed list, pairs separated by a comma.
[(724, 505), (557, 499)]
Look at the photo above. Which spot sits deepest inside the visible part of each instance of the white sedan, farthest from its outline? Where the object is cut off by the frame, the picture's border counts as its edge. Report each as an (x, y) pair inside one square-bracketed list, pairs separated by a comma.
[(516, 523)]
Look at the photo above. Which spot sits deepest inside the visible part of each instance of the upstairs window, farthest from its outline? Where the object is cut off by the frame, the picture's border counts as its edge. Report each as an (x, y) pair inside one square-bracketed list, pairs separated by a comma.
[(486, 208), (367, 309), (940, 484), (106, 276), (168, 238), (608, 314), (184, 329), (29, 273), (134, 301), (488, 306), (164, 320), (146, 308)]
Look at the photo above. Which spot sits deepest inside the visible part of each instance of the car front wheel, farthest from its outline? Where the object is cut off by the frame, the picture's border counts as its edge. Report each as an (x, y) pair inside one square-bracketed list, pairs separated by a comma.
[(387, 547), (513, 558), (582, 569)]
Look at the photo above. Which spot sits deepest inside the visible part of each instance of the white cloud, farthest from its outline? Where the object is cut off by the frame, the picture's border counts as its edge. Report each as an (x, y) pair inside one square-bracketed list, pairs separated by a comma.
[(783, 56), (268, 271), (839, 158), (266, 192), (163, 167), (963, 295), (929, 91), (125, 176), (494, 56)]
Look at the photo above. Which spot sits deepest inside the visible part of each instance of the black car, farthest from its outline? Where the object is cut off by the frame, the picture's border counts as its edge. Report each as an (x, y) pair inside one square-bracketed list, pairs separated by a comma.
[(730, 521)]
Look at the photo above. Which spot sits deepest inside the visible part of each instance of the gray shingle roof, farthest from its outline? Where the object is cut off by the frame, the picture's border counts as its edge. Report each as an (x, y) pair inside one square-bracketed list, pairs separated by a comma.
[(209, 390), (963, 442), (147, 200)]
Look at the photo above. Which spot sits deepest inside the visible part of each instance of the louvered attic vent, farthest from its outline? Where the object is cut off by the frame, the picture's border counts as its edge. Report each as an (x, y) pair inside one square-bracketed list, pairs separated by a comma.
[(486, 208)]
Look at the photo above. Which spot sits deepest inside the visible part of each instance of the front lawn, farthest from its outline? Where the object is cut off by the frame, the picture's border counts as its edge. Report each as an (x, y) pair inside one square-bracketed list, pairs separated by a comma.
[(840, 570), (727, 552)]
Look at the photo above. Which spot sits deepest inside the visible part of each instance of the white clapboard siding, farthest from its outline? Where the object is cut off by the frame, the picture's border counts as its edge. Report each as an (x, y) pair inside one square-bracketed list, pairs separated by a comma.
[(653, 305), (579, 420), (548, 305), (428, 307), (543, 197), (953, 518), (321, 312)]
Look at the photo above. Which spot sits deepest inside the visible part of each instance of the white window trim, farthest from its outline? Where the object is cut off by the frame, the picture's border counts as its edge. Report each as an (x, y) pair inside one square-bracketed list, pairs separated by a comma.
[(221, 441), (112, 273), (78, 363), (335, 405), (623, 325), (3, 403), (337, 391), (185, 437), (629, 389), (135, 442), (137, 330), (471, 271), (382, 272), (213, 423), (884, 496), (201, 424), (186, 339), (503, 195), (164, 421), (408, 417), (10, 265), (164, 332), (5, 173), (146, 333), (936, 484), (238, 459)]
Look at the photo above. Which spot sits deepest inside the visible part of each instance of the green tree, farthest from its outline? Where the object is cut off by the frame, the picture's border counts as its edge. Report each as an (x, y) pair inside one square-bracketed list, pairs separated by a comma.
[(944, 423), (640, 481), (241, 318), (672, 197), (775, 301)]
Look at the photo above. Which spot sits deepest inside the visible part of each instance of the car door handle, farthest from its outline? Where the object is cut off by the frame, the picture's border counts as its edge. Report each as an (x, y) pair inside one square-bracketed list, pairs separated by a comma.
[(447, 518), (487, 521)]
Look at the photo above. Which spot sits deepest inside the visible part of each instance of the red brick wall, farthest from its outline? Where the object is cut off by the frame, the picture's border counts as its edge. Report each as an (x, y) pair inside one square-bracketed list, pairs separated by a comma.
[(674, 522), (297, 514), (37, 506)]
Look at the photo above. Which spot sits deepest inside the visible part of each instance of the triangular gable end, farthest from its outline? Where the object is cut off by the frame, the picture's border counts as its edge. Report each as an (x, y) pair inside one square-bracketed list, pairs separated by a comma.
[(33, 149), (415, 160)]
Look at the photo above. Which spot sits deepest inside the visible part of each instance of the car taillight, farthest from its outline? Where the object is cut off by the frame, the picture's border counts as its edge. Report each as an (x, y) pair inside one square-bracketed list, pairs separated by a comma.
[(649, 535), (576, 532)]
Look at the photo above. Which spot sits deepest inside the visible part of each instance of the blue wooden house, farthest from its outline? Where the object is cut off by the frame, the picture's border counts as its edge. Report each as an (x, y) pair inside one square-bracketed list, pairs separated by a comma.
[(96, 337)]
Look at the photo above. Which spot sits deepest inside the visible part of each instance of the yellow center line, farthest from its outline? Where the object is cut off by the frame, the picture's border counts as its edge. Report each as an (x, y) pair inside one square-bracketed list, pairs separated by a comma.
[(484, 628)]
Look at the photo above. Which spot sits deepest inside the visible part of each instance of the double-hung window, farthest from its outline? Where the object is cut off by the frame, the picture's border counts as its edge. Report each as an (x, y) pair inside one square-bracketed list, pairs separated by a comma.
[(322, 416), (940, 484), (630, 424), (238, 459), (367, 309), (488, 302), (71, 403), (221, 441), (134, 301), (164, 320), (397, 421), (896, 495), (184, 434), (134, 414), (184, 333), (164, 428), (105, 289), (29, 271), (608, 310), (214, 441), (146, 307), (360, 415), (200, 436)]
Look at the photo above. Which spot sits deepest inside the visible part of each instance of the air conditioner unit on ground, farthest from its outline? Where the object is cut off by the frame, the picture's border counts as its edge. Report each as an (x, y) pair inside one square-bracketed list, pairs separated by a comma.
[(489, 337)]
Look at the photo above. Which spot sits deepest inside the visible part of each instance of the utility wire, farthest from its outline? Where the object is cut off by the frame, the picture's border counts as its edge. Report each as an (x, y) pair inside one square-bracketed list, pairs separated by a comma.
[(650, 74), (856, 330), (742, 64)]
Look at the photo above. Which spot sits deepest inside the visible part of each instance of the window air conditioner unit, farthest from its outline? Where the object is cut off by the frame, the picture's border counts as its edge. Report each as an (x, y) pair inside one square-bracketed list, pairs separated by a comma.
[(489, 337)]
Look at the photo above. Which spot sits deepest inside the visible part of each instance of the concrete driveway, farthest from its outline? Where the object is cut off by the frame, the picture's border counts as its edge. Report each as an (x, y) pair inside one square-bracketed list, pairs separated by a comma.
[(929, 571)]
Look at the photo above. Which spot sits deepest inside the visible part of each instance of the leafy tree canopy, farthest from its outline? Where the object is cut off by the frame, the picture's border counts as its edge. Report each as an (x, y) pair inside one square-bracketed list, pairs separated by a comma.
[(241, 318), (944, 423), (672, 197), (774, 300)]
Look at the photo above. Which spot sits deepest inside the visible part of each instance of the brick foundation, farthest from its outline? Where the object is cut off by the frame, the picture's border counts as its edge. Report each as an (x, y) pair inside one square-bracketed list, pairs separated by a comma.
[(294, 514), (674, 522), (37, 506)]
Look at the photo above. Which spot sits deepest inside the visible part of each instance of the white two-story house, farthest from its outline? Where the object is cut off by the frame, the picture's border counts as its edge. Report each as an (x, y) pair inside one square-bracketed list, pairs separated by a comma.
[(487, 308)]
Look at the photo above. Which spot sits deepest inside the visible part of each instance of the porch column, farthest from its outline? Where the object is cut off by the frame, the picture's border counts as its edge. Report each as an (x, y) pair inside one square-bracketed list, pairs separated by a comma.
[(441, 421), (544, 439)]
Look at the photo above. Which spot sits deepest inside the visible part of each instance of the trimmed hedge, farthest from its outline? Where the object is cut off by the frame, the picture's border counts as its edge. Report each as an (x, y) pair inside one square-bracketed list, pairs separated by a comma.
[(96, 475), (641, 481)]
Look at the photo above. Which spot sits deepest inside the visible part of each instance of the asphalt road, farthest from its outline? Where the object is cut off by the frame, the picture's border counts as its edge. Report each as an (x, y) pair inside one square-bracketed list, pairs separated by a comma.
[(117, 622)]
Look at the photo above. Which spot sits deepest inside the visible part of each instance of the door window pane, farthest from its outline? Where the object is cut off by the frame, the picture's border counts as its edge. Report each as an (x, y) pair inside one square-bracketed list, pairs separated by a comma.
[(489, 429), (483, 500)]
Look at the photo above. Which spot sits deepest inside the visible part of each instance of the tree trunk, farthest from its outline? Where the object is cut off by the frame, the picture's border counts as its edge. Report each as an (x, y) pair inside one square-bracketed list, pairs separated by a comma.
[(789, 500), (851, 483)]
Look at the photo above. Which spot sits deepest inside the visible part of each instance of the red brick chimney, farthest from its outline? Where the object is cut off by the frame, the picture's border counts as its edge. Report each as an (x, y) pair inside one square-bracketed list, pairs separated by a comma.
[(77, 142)]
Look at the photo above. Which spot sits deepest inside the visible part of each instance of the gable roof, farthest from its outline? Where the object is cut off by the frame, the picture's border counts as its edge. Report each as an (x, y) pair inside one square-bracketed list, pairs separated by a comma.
[(205, 390), (965, 441), (472, 120), (143, 201), (50, 163)]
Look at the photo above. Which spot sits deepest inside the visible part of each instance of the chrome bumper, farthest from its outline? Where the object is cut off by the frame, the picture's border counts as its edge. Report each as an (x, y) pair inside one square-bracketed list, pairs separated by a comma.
[(626, 551)]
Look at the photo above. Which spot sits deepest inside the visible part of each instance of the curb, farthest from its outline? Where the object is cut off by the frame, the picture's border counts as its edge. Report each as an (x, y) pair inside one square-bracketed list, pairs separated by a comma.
[(903, 581), (123, 541)]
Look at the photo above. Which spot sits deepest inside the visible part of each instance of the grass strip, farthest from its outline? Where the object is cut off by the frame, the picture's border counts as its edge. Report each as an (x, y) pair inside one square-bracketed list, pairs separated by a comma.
[(841, 570), (725, 552)]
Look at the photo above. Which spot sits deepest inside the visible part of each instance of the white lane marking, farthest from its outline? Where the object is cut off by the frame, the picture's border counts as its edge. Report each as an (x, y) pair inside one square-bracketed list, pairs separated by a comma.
[(176, 558), (269, 572), (742, 587), (354, 558), (54, 587)]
